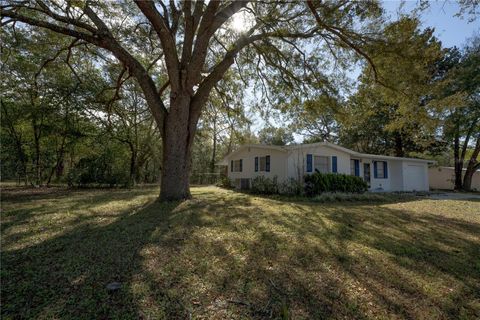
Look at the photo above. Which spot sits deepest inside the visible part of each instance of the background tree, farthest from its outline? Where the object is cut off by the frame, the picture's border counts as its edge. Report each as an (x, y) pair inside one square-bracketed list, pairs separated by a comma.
[(275, 136), (462, 124), (41, 106), (400, 113), (317, 119), (221, 129), (131, 123), (58, 124)]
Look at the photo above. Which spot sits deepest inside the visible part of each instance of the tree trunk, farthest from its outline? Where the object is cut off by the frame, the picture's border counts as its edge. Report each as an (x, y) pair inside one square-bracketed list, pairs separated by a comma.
[(22, 162), (230, 140), (458, 163), (134, 147), (133, 166), (472, 166), (214, 150), (58, 168), (178, 134), (38, 171), (399, 145), (467, 180), (22, 171)]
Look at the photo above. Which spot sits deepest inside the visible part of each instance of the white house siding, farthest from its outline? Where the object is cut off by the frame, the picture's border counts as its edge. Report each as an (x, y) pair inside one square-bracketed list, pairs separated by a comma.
[(379, 184), (395, 174), (415, 176), (278, 161), (297, 159)]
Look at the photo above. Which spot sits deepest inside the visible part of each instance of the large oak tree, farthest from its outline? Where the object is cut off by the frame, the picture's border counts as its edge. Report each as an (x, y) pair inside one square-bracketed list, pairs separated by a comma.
[(194, 45)]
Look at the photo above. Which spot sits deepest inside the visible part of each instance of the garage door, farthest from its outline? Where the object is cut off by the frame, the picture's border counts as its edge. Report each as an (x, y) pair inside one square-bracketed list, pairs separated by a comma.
[(414, 178)]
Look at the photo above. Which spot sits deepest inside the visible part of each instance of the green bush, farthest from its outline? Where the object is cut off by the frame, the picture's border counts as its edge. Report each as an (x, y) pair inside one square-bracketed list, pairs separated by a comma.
[(318, 183), (225, 182), (263, 185), (328, 197), (291, 187), (101, 170)]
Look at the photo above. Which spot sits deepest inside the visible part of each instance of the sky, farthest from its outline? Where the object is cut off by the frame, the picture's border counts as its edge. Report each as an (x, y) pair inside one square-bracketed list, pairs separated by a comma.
[(451, 30)]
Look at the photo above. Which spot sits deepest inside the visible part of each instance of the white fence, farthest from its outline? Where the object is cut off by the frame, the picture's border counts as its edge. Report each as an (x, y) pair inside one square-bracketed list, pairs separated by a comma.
[(444, 178)]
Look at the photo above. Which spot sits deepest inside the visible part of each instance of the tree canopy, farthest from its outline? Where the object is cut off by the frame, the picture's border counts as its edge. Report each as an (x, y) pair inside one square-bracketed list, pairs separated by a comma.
[(164, 82)]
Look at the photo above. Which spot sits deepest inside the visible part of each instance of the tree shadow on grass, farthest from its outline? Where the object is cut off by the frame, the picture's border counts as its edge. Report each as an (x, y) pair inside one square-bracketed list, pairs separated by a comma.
[(91, 195), (226, 255), (65, 276), (56, 211), (396, 253)]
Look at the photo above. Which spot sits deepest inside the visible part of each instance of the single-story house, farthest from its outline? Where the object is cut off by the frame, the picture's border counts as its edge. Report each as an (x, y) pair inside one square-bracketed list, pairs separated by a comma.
[(382, 173)]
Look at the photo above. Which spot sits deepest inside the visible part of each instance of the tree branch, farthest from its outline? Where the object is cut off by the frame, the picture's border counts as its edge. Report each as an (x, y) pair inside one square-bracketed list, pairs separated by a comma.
[(47, 11), (53, 27), (343, 38), (210, 23), (191, 26), (219, 70), (168, 42)]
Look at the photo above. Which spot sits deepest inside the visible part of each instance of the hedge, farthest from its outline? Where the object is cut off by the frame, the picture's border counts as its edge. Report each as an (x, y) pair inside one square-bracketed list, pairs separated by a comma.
[(318, 183)]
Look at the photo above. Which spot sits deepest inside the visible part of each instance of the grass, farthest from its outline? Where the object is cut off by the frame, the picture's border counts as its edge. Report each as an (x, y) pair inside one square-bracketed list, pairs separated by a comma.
[(331, 197), (231, 255)]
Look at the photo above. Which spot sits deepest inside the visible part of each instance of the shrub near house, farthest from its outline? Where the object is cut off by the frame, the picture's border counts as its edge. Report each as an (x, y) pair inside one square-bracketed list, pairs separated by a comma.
[(315, 184), (263, 185), (318, 183)]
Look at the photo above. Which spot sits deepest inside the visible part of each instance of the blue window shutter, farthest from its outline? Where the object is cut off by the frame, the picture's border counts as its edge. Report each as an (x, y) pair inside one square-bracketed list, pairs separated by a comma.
[(241, 165), (256, 164), (267, 163), (385, 170), (309, 162), (231, 165), (357, 167), (375, 175), (334, 164)]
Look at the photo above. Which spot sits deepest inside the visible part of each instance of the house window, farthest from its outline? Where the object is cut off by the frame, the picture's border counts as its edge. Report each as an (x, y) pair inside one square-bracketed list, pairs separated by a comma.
[(236, 166), (321, 164), (355, 167), (262, 164), (380, 170)]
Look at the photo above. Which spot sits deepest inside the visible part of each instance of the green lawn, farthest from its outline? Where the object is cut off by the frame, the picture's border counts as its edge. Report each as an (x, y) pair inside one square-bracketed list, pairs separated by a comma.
[(231, 255)]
